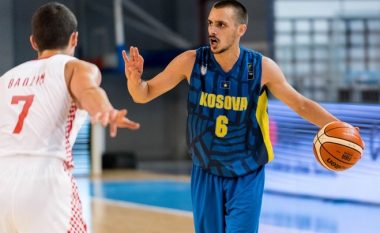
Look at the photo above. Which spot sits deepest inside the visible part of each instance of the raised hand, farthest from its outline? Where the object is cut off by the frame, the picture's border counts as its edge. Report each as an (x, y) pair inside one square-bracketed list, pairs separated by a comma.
[(133, 66)]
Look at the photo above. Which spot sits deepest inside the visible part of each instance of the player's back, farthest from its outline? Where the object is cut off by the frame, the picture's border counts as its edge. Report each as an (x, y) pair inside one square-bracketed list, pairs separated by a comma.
[(37, 111)]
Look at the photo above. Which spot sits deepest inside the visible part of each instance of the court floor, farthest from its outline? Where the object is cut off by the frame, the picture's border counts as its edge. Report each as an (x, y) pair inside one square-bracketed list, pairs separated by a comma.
[(139, 202)]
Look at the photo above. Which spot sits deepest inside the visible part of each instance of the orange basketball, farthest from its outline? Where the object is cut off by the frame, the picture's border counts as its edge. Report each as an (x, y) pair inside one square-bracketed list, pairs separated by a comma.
[(338, 146)]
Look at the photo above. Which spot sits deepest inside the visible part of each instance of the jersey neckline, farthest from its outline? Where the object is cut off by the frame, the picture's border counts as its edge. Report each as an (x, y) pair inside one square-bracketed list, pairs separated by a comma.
[(237, 63)]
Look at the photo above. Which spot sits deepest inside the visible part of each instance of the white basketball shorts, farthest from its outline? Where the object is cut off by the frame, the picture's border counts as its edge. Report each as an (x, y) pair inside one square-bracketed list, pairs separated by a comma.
[(37, 195)]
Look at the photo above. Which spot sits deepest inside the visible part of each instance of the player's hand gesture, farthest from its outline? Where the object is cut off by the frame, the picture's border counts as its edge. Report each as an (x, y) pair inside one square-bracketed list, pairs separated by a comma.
[(133, 65), (115, 119)]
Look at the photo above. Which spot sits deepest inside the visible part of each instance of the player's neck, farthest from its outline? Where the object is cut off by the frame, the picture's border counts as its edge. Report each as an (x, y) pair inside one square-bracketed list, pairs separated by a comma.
[(228, 58), (51, 52)]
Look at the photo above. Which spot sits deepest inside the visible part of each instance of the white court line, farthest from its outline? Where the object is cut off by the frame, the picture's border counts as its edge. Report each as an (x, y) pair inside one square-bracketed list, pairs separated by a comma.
[(145, 207), (263, 227)]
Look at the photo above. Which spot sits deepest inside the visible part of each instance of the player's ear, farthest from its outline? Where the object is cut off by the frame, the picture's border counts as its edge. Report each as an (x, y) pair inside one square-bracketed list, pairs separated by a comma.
[(242, 29), (73, 39), (33, 42)]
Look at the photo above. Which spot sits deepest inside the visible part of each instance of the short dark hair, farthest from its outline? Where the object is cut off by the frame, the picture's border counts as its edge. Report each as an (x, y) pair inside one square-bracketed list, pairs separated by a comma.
[(52, 26), (241, 11)]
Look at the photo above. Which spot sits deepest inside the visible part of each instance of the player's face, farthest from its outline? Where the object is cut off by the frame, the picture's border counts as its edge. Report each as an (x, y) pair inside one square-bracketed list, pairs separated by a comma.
[(222, 29)]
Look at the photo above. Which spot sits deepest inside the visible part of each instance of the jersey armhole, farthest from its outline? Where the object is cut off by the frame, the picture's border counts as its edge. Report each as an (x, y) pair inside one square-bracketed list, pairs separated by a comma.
[(197, 51), (68, 82)]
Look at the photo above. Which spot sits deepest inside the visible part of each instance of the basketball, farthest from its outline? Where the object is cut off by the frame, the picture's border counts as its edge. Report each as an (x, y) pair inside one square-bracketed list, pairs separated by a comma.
[(338, 146)]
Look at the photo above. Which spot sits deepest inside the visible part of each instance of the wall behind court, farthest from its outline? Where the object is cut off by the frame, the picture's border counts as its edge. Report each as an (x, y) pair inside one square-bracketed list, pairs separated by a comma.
[(6, 38), (22, 29)]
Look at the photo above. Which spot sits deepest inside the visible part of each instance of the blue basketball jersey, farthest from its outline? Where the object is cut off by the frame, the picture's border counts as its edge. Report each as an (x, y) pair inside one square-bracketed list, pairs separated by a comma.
[(228, 124)]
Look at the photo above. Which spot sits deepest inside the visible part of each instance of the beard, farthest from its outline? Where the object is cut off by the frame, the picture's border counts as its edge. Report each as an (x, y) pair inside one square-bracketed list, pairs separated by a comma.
[(215, 45), (220, 50)]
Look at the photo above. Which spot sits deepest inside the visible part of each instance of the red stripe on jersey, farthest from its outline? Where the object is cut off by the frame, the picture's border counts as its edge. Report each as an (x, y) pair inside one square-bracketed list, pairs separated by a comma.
[(77, 224), (69, 162)]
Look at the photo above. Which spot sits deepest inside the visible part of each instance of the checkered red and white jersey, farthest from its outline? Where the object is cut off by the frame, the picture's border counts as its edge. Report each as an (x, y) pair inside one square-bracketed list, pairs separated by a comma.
[(37, 114)]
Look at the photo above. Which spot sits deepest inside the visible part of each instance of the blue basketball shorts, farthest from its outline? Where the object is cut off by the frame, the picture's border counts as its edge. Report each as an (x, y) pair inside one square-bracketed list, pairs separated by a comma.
[(224, 204)]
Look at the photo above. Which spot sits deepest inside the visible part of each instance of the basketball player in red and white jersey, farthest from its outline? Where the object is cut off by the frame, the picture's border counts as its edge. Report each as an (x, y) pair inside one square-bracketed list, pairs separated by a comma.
[(42, 106)]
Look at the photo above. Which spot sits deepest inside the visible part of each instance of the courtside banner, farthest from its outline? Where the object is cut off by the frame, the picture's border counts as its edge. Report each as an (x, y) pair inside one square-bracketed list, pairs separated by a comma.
[(295, 170)]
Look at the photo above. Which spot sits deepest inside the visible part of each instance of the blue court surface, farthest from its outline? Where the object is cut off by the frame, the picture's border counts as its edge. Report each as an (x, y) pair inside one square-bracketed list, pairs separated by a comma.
[(291, 212)]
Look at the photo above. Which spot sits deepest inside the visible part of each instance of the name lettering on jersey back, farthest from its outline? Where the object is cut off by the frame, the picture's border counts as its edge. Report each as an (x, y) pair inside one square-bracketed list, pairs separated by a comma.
[(227, 102), (27, 82)]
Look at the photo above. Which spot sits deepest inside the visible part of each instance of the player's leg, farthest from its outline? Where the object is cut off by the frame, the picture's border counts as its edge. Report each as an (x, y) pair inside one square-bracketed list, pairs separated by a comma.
[(7, 182), (47, 200), (6, 225), (207, 199), (243, 202)]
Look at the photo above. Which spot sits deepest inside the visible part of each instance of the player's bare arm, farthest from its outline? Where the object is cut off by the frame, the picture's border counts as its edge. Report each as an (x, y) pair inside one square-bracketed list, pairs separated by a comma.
[(144, 91), (275, 80), (83, 80)]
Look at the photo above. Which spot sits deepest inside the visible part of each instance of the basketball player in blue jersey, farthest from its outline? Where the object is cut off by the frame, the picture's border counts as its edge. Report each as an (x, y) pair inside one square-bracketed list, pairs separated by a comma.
[(227, 125)]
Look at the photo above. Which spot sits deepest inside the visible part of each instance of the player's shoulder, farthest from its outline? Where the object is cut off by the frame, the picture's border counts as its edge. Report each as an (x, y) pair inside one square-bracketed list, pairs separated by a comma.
[(20, 67), (270, 70), (81, 64), (268, 63), (58, 59), (13, 69), (77, 67), (185, 58), (188, 54)]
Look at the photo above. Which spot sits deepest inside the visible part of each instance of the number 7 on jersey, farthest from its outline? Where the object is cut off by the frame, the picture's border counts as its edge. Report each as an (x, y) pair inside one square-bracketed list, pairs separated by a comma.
[(28, 99)]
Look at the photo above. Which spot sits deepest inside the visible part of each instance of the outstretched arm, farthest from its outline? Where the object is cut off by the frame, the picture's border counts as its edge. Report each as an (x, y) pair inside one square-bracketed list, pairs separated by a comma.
[(144, 91), (274, 79), (83, 80)]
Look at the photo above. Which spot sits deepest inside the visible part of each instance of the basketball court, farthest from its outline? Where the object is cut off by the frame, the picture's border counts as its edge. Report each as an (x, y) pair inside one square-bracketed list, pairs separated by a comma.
[(141, 201)]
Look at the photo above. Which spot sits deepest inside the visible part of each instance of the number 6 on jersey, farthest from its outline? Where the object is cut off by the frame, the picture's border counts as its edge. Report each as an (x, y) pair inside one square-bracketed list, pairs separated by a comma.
[(221, 128)]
